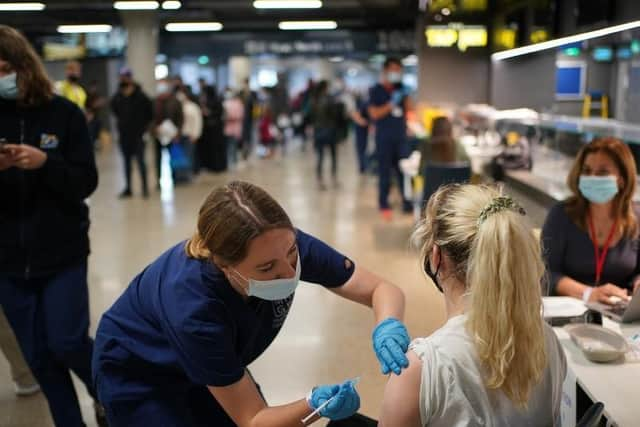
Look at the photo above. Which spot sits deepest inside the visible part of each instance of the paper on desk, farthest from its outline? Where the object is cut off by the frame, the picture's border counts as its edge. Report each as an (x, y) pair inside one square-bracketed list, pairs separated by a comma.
[(633, 355), (562, 307)]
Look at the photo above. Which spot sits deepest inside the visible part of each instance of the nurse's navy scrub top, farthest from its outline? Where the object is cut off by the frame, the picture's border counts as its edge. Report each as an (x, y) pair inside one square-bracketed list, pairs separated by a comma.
[(180, 322)]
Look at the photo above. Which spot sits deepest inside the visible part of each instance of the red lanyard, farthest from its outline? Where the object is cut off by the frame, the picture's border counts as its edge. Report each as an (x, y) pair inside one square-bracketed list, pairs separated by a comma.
[(601, 257)]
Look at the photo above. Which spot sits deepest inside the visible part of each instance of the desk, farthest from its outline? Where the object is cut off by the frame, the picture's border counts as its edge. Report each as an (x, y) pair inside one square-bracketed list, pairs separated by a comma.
[(614, 384)]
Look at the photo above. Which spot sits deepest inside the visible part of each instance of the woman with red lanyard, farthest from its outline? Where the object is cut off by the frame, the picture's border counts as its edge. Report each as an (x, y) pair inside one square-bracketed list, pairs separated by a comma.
[(591, 240)]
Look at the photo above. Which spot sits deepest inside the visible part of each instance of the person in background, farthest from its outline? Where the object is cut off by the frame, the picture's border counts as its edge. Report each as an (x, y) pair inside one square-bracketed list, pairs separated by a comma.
[(174, 349), (495, 362), (267, 130), (324, 119), (591, 239), (70, 87), (192, 124), (360, 117), (249, 100), (93, 107), (441, 147), (233, 119), (167, 107), (24, 382), (133, 111), (388, 105), (47, 170), (211, 151)]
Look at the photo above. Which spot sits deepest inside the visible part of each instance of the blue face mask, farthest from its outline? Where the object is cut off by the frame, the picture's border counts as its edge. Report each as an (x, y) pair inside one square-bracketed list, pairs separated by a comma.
[(598, 189), (273, 290), (9, 87), (394, 77)]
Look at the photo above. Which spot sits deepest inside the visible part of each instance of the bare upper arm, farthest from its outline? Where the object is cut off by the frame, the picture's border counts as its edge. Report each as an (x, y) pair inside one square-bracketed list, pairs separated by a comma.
[(400, 404), (241, 400)]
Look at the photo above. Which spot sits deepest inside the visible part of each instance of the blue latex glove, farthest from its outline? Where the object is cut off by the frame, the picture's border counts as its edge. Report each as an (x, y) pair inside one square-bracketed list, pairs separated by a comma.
[(397, 96), (346, 403), (390, 342)]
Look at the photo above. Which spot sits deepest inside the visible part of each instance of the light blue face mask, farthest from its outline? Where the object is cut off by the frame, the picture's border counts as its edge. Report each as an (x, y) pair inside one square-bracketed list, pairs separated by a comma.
[(9, 86), (273, 290), (598, 189), (394, 77)]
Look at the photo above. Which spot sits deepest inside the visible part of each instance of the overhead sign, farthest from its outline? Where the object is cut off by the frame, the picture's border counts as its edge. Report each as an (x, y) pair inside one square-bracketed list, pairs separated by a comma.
[(465, 36)]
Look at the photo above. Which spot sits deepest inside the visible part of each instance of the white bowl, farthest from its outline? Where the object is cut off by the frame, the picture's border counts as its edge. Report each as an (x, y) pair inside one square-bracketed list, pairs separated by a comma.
[(597, 343)]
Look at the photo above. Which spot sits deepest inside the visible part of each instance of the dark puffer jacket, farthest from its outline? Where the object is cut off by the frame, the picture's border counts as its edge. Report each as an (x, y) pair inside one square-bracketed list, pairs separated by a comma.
[(44, 221)]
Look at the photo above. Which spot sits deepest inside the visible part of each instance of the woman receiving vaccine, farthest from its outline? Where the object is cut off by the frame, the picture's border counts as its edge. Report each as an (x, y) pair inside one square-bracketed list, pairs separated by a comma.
[(174, 348), (591, 239)]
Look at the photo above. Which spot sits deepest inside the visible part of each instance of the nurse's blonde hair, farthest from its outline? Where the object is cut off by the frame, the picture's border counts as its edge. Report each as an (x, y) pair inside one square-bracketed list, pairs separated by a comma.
[(497, 257), (230, 218)]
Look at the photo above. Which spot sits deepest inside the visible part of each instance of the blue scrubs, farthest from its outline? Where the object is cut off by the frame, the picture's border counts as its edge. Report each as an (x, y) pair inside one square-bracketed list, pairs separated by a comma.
[(180, 326), (391, 145)]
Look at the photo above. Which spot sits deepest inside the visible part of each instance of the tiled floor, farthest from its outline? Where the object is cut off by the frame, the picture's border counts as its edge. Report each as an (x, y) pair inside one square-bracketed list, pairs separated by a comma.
[(325, 339)]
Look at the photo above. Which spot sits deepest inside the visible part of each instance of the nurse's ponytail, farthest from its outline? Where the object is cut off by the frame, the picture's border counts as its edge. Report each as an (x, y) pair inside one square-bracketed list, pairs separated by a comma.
[(498, 259), (230, 217)]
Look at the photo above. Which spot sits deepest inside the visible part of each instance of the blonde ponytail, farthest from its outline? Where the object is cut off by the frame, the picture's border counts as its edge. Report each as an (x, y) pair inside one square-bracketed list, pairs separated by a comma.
[(504, 274), (497, 257)]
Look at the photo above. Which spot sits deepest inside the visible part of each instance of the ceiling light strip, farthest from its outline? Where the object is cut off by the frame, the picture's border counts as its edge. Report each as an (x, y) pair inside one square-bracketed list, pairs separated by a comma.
[(76, 29), (498, 56), (287, 4), (21, 7), (136, 5), (308, 25), (193, 26)]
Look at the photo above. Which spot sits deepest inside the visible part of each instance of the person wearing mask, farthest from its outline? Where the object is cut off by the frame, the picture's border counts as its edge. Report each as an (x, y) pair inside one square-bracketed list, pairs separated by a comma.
[(191, 127), (175, 347), (70, 87), (495, 362), (360, 117), (47, 170), (324, 118), (442, 147), (249, 98), (233, 119), (591, 239), (211, 151), (388, 105), (167, 108), (133, 111)]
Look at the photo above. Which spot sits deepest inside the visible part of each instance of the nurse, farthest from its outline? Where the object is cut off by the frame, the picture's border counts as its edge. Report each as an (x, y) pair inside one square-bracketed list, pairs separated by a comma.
[(174, 348)]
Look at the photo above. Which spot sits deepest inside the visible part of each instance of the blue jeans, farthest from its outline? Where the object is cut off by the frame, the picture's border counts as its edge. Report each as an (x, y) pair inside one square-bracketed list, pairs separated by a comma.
[(50, 318)]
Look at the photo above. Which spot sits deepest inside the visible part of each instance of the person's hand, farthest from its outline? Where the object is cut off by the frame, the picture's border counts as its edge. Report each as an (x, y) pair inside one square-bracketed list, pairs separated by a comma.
[(27, 157), (390, 342), (345, 403), (603, 294), (6, 159)]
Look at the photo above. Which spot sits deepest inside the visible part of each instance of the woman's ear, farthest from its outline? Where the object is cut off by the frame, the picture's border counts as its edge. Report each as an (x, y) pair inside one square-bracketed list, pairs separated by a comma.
[(434, 258)]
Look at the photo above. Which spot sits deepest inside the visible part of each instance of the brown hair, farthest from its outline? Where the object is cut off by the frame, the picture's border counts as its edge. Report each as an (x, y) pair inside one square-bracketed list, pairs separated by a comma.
[(577, 205), (443, 146), (34, 86), (230, 218)]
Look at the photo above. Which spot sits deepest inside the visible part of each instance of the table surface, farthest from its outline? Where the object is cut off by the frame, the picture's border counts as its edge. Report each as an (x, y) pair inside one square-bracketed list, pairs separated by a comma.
[(614, 384)]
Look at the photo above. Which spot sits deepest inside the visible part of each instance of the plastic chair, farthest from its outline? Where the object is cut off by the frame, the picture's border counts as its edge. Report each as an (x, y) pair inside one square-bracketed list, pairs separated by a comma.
[(437, 174), (592, 417)]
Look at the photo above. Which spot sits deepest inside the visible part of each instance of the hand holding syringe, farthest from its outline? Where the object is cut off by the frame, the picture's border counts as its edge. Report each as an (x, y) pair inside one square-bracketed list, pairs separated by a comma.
[(345, 391)]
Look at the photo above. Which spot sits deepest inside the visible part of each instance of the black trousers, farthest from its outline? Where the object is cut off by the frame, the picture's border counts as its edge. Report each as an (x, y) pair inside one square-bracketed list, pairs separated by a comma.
[(133, 148)]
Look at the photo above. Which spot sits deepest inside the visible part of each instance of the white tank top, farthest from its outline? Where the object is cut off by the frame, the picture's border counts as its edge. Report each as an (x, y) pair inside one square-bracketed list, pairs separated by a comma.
[(453, 392)]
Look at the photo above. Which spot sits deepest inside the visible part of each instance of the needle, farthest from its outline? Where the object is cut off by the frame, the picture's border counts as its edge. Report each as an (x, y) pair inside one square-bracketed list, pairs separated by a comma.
[(321, 407)]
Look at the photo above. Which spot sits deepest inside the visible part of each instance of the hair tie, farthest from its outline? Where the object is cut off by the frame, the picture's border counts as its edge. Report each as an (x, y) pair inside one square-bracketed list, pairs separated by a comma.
[(499, 204)]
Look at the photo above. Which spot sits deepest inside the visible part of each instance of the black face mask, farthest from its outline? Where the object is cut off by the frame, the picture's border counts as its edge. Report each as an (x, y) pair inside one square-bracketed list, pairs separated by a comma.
[(433, 276), (73, 78)]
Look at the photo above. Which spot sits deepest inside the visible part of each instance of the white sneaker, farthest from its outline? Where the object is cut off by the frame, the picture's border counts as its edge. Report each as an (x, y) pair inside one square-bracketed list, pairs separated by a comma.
[(26, 390)]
